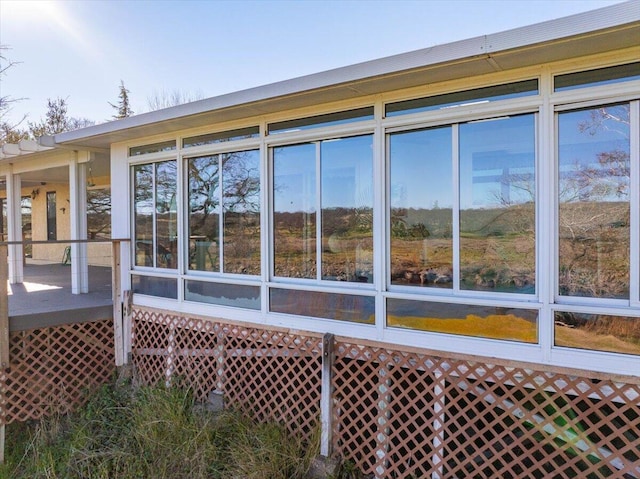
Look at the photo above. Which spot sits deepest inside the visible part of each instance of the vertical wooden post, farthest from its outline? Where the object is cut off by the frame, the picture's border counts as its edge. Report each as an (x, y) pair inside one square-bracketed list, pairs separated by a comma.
[(326, 398), (4, 334), (116, 292), (4, 308)]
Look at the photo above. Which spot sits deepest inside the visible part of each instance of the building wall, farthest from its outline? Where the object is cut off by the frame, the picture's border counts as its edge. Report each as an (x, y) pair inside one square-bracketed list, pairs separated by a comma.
[(360, 261)]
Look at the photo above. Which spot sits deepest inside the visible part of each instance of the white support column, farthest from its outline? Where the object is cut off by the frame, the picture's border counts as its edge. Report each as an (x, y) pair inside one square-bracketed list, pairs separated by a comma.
[(121, 228), (14, 229), (78, 223)]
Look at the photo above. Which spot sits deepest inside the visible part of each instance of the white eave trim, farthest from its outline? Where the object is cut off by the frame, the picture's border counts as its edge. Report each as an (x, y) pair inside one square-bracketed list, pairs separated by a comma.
[(487, 45)]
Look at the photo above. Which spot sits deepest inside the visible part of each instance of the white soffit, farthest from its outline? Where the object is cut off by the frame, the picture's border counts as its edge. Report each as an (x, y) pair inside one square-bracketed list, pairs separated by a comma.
[(597, 31)]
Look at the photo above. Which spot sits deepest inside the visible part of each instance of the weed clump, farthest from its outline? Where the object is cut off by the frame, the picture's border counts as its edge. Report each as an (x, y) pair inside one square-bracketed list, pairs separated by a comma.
[(152, 432)]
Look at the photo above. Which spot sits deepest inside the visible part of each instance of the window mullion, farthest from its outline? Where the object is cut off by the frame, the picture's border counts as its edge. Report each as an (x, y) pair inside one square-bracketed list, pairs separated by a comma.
[(455, 158)]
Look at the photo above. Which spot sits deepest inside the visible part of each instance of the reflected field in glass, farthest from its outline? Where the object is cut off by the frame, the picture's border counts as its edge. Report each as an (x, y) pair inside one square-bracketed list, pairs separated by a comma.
[(421, 196), (497, 204), (466, 320), (166, 214), (343, 307), (600, 332), (594, 202)]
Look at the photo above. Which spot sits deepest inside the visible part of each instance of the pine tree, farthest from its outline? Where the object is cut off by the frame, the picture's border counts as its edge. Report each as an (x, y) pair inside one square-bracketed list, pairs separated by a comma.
[(123, 107)]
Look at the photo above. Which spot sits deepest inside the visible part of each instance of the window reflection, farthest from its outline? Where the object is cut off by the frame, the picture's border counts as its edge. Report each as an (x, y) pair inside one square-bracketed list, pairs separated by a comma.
[(239, 203), (594, 169), (143, 214), (497, 205), (166, 215), (344, 168), (294, 211), (601, 332), (421, 208), (343, 307), (347, 210), (467, 320)]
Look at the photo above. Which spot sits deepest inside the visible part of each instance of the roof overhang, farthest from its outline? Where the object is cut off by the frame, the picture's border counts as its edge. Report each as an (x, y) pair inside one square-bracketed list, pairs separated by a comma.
[(598, 31)]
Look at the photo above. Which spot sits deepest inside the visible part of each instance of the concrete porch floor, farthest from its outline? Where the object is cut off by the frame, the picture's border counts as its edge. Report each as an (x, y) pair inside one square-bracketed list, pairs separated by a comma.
[(45, 298)]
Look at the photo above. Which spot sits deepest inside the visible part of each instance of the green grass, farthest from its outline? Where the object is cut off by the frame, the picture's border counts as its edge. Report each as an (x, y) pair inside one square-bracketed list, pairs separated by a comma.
[(152, 432)]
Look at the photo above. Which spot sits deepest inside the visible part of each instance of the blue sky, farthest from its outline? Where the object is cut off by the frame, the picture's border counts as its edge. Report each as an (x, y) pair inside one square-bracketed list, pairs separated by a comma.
[(80, 50)]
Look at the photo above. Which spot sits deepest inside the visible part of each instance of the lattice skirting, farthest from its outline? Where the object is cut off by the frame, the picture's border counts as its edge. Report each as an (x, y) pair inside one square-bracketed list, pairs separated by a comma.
[(270, 375), (401, 414), (52, 368)]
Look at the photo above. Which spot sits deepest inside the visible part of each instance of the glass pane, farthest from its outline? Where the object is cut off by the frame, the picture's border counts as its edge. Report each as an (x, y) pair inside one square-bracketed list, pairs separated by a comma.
[(347, 209), (421, 189), (99, 213), (463, 98), (204, 213), (294, 215), (27, 230), (600, 76), (236, 295), (153, 148), (162, 287), (3, 219), (600, 332), (594, 183), (51, 216), (213, 138), (497, 205), (166, 215), (463, 319), (241, 209), (343, 307), (329, 119), (143, 214)]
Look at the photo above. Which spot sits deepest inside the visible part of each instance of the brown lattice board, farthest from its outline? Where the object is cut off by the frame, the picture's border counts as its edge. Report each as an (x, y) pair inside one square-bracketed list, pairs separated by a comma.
[(270, 375), (403, 414), (52, 368)]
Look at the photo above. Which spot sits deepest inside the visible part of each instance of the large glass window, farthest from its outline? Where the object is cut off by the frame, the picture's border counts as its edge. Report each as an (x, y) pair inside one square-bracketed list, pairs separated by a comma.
[(594, 201), (421, 196), (497, 205), (496, 182), (335, 178), (224, 213), (99, 213), (155, 214)]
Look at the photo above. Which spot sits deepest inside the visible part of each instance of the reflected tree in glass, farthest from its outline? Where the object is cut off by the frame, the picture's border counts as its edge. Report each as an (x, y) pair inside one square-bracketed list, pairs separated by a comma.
[(594, 206), (143, 214), (204, 213), (241, 211), (166, 214), (421, 199), (497, 205)]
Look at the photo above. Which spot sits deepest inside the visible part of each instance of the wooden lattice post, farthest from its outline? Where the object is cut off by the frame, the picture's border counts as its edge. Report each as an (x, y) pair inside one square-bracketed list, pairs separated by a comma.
[(439, 411), (326, 398), (116, 291), (383, 421), (4, 336)]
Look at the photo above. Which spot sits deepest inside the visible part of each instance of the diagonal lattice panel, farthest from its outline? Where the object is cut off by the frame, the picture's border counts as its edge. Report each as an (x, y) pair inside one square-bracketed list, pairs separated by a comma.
[(51, 368), (399, 414), (274, 376), (271, 375)]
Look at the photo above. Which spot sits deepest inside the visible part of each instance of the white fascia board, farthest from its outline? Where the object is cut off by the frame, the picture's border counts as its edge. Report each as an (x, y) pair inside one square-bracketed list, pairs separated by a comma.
[(545, 32)]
